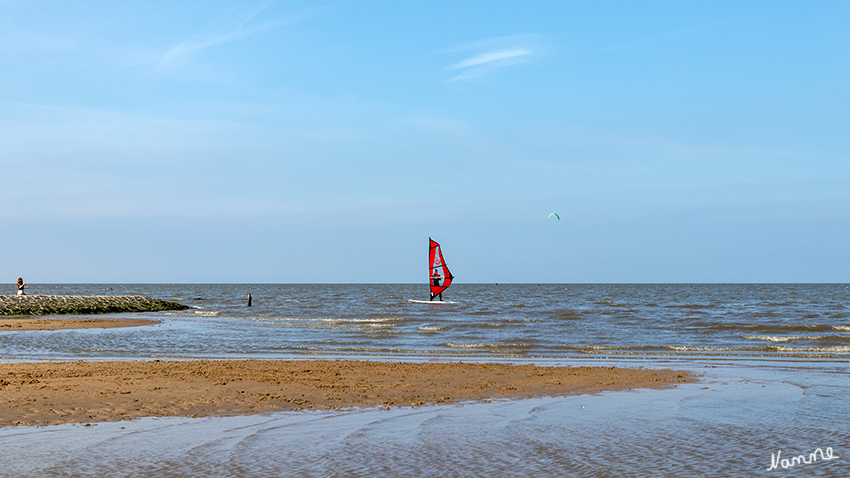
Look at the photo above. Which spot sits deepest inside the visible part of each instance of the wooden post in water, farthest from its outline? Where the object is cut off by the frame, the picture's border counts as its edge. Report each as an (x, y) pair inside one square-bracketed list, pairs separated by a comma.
[(249, 300)]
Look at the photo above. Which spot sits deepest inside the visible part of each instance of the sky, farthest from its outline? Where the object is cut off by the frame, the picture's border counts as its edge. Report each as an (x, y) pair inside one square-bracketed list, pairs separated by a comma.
[(308, 142)]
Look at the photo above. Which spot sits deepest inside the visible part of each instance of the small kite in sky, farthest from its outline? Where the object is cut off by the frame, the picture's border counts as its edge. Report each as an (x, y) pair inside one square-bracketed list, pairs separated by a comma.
[(556, 215)]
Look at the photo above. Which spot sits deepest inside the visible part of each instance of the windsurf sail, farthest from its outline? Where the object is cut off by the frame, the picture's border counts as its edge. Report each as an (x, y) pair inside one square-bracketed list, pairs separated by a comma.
[(439, 276)]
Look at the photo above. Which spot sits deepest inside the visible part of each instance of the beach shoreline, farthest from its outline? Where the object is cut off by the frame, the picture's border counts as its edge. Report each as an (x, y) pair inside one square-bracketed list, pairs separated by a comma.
[(50, 393)]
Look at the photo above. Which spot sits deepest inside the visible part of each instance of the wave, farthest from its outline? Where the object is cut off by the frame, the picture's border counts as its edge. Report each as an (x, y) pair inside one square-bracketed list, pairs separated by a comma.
[(791, 338), (193, 311), (207, 313), (488, 325), (324, 320), (781, 328), (650, 349), (314, 349), (691, 306), (427, 328), (609, 303), (567, 315), (487, 346)]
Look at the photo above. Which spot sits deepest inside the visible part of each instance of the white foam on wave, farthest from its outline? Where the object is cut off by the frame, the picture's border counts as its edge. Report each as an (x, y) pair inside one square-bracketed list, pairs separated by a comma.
[(337, 320), (332, 323), (484, 346), (683, 348), (207, 313), (775, 338)]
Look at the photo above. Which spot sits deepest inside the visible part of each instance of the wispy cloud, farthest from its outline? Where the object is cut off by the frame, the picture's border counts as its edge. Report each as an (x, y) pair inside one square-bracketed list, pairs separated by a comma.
[(492, 54), (234, 24), (490, 57)]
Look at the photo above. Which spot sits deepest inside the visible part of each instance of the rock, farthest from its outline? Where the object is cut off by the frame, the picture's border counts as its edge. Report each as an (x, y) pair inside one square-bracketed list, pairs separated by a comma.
[(82, 305)]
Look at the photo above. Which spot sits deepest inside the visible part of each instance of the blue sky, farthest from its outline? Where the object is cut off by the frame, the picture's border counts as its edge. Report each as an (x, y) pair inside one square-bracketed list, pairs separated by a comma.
[(325, 142)]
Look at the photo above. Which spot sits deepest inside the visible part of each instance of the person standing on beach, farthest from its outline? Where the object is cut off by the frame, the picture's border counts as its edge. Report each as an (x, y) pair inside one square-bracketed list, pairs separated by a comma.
[(21, 286)]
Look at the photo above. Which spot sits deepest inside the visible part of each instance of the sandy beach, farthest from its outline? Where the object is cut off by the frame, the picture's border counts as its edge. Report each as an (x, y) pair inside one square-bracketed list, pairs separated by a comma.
[(88, 392), (761, 380)]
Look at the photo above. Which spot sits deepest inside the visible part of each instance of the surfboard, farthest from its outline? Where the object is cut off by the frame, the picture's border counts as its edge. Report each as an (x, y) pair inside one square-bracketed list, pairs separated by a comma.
[(433, 302)]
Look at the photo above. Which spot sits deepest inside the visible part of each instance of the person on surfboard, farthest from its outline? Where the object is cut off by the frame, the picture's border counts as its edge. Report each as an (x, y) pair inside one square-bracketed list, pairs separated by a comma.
[(435, 280), (439, 277)]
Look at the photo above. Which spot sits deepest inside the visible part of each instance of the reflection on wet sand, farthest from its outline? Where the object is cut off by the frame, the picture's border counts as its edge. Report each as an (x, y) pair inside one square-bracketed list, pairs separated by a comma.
[(728, 424)]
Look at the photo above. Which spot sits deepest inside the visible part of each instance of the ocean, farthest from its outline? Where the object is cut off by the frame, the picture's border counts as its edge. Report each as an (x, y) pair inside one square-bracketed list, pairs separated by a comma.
[(774, 360)]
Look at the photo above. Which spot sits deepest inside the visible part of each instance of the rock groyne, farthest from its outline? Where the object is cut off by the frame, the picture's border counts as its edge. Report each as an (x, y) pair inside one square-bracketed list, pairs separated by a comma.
[(82, 304)]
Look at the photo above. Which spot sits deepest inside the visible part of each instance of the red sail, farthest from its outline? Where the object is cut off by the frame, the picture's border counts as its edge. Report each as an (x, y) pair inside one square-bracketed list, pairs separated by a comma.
[(439, 275)]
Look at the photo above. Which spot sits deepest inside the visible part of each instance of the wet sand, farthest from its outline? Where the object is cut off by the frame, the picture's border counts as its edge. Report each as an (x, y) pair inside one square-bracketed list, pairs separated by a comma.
[(63, 324), (87, 392)]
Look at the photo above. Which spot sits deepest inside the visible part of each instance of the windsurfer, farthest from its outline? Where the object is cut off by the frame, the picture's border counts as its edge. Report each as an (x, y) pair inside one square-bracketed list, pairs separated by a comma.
[(439, 277), (435, 281)]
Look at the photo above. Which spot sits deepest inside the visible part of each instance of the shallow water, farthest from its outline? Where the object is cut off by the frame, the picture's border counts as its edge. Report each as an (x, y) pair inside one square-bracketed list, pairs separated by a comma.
[(727, 425), (774, 359), (551, 320)]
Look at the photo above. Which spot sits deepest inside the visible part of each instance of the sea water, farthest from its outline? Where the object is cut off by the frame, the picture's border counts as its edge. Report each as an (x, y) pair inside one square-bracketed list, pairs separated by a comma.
[(773, 359), (485, 322)]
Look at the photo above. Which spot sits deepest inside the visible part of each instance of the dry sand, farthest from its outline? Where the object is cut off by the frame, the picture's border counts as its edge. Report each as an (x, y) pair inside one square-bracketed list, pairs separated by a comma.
[(84, 392), (61, 324)]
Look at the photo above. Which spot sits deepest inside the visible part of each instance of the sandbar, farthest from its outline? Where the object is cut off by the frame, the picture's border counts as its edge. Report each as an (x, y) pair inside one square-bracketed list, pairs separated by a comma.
[(88, 392), (62, 324)]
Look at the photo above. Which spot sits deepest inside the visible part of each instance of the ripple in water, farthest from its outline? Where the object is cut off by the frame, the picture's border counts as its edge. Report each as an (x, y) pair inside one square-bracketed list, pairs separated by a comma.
[(727, 425)]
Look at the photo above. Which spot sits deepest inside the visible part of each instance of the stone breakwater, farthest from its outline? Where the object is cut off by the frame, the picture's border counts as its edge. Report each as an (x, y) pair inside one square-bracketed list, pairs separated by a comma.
[(79, 304)]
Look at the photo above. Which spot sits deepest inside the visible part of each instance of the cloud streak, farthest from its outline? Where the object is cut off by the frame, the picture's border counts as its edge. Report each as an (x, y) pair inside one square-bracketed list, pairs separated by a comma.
[(490, 57), (493, 54), (236, 25)]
